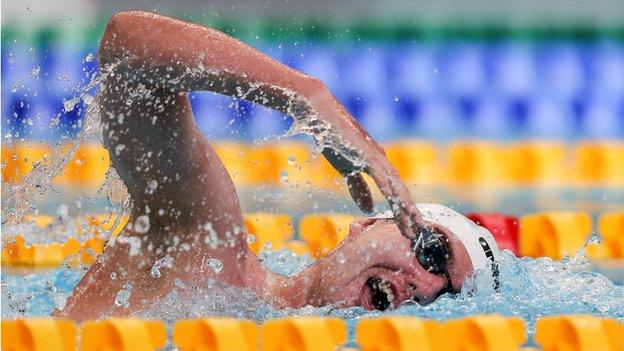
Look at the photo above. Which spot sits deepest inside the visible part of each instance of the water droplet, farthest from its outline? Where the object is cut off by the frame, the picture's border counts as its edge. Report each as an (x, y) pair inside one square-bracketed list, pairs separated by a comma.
[(215, 264), (211, 237), (165, 262), (179, 283), (340, 258), (151, 186), (142, 224), (119, 148), (70, 105), (122, 299), (133, 241)]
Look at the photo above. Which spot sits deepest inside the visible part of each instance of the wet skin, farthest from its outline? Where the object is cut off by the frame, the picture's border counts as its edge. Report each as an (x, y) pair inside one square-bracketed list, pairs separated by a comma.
[(145, 108)]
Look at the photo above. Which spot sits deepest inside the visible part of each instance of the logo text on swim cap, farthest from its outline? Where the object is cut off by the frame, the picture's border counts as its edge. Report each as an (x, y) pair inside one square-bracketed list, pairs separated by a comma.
[(487, 250)]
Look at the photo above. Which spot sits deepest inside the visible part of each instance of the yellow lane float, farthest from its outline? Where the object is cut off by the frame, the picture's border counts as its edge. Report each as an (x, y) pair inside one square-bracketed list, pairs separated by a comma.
[(554, 234), (215, 334), (38, 334), (485, 333), (579, 333), (324, 232), (400, 334), (122, 334), (303, 334)]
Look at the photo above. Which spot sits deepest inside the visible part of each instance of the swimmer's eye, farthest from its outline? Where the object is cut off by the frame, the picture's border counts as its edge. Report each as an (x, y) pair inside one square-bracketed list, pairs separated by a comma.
[(431, 251), (381, 293)]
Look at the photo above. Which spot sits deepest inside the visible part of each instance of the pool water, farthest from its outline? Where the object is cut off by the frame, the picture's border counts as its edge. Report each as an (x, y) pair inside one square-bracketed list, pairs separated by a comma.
[(530, 288)]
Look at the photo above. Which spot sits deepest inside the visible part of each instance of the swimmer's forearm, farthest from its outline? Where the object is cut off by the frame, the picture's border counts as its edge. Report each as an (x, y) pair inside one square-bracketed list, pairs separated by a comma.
[(187, 57)]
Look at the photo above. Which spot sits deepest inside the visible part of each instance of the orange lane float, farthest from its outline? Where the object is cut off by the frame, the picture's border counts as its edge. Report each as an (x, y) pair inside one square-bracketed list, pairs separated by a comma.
[(579, 333), (478, 162), (324, 232), (554, 234), (19, 159), (87, 168), (38, 334), (122, 334), (303, 334), (215, 334), (611, 229), (601, 162), (416, 161), (268, 228), (400, 334), (485, 333), (538, 162)]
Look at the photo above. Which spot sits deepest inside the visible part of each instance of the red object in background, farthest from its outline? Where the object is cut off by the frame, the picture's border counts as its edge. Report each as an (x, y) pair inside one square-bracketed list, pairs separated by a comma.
[(503, 227)]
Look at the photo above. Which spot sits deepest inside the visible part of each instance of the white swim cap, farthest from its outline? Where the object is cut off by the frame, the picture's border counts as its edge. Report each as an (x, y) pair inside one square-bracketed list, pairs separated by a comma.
[(478, 241)]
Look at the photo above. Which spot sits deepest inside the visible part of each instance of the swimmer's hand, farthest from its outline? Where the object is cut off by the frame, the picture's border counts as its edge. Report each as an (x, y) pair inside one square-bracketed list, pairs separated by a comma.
[(371, 159)]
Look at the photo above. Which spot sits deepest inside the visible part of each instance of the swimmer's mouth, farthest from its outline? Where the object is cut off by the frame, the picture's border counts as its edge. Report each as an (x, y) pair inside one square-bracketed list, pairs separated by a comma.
[(378, 294)]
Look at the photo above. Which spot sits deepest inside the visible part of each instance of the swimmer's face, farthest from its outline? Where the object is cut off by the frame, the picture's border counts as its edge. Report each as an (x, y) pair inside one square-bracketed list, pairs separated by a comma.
[(374, 267)]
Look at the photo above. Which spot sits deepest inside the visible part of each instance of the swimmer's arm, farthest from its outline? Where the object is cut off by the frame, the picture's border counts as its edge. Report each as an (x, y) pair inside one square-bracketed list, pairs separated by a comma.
[(181, 56)]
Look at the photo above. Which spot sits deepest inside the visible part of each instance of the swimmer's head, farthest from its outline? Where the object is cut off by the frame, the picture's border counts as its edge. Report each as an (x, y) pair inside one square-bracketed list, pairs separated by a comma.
[(377, 268)]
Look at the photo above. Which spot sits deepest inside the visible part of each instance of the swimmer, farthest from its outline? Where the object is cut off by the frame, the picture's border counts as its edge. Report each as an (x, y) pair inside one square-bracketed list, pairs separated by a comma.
[(186, 215)]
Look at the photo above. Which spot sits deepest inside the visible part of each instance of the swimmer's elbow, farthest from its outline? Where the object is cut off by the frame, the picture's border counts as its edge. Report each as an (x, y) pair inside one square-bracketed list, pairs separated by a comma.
[(118, 31)]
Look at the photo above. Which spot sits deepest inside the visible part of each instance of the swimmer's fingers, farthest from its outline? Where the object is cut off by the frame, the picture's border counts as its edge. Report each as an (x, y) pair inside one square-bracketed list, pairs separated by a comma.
[(360, 192), (405, 212), (355, 182)]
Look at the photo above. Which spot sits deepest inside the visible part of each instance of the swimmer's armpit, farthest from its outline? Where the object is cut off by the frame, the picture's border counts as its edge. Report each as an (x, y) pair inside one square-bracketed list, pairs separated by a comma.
[(184, 57)]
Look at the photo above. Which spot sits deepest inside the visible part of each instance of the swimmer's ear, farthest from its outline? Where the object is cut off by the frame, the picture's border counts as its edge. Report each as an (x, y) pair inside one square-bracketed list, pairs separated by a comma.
[(360, 192)]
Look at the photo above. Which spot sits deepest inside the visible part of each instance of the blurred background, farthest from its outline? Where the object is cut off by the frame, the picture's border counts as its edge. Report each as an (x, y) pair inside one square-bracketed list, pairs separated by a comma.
[(528, 93), (507, 106), (439, 70)]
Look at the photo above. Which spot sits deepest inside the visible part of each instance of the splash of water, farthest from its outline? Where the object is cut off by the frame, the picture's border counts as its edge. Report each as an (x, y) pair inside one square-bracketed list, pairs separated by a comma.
[(530, 288), (20, 198)]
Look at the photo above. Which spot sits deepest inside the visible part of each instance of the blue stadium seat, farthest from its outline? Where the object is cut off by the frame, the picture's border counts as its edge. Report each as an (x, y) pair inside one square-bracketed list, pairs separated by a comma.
[(602, 117), (492, 118), (512, 71), (363, 71), (17, 110), (440, 119), (267, 123), (378, 117), (606, 70), (320, 62), (561, 74), (45, 125), (506, 89), (462, 70), (550, 118), (70, 116), (415, 71), (211, 114), (65, 75)]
